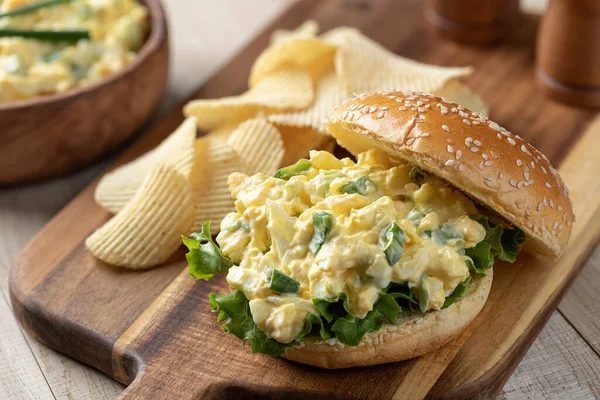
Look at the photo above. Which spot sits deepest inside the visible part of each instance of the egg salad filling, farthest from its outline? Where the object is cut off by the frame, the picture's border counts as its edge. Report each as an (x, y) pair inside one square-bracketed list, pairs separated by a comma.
[(337, 248), (40, 52)]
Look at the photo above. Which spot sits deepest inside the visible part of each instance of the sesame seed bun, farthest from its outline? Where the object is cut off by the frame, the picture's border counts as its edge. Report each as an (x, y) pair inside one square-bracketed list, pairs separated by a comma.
[(496, 168), (414, 335)]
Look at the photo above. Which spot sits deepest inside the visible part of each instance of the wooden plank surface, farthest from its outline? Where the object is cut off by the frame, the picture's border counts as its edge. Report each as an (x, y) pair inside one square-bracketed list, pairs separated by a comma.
[(26, 220)]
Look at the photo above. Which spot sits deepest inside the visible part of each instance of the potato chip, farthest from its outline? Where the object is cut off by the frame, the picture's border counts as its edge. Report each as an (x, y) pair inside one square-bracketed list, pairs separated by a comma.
[(117, 187), (307, 30), (287, 88), (298, 142), (148, 230), (330, 94), (258, 145), (365, 66), (461, 94), (308, 53), (209, 181)]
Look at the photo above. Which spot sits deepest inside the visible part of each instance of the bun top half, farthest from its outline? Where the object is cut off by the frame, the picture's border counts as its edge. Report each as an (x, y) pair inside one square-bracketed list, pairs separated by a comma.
[(495, 167)]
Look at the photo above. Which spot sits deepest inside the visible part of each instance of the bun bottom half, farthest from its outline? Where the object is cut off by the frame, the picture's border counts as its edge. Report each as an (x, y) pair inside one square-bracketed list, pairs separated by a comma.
[(413, 336)]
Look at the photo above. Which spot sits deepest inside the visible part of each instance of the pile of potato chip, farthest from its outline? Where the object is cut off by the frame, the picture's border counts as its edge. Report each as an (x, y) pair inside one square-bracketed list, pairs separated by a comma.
[(293, 85)]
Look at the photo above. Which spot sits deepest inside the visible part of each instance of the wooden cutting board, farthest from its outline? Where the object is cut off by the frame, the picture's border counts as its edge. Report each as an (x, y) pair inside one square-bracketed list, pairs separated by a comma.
[(152, 330)]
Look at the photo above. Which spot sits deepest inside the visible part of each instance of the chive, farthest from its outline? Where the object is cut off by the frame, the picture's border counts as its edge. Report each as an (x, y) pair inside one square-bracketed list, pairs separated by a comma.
[(359, 185), (417, 175), (281, 283), (33, 7), (295, 169), (56, 36), (391, 241), (322, 225)]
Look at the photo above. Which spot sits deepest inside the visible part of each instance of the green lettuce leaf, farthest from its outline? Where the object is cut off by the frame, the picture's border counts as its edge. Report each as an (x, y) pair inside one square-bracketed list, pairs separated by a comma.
[(498, 242), (234, 309), (458, 292), (205, 258)]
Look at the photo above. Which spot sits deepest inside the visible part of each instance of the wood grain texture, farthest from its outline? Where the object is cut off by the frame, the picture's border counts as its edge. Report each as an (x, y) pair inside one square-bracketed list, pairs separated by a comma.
[(61, 132), (545, 373), (574, 121)]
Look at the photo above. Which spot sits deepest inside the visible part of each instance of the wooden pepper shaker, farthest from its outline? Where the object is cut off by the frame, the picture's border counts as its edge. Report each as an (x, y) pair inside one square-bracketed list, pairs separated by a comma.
[(472, 21), (568, 52)]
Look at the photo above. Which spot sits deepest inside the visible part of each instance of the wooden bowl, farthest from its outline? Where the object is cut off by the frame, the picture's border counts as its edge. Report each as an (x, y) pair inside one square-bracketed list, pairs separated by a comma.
[(51, 135)]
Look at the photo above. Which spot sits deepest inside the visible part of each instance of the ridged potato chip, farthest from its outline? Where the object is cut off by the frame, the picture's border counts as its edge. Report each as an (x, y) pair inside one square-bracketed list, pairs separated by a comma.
[(308, 29), (461, 94), (117, 187), (148, 230), (258, 145), (313, 54), (209, 181), (365, 66), (330, 94), (299, 141), (287, 88)]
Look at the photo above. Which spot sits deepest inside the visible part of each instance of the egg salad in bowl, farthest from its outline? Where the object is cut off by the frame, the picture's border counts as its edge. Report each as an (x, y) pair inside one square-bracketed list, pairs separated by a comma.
[(51, 46), (332, 248)]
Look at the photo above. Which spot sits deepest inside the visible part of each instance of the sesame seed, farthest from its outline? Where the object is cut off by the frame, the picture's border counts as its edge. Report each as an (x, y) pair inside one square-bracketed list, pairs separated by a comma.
[(421, 109), (561, 227), (488, 178), (474, 149), (540, 206), (446, 128), (485, 156), (466, 121), (511, 141), (501, 175), (488, 163), (380, 114), (532, 165), (481, 165), (494, 154), (458, 154), (555, 225), (559, 208), (469, 139), (384, 108), (499, 135), (544, 170), (477, 143), (545, 200), (426, 134), (364, 110), (372, 109), (461, 167), (543, 219), (402, 108), (551, 203), (444, 111), (524, 149), (519, 163), (519, 205), (564, 217), (489, 183), (353, 107), (520, 185), (526, 175), (548, 185), (345, 114), (476, 122), (413, 108), (399, 99), (410, 141), (420, 103), (449, 163), (513, 183), (450, 149)]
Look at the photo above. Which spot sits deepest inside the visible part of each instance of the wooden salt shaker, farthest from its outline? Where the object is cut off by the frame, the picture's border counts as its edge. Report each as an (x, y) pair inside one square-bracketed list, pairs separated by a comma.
[(568, 52), (472, 21)]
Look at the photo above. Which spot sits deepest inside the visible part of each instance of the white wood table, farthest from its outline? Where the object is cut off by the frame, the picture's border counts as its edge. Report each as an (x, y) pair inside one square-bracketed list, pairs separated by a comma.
[(564, 361)]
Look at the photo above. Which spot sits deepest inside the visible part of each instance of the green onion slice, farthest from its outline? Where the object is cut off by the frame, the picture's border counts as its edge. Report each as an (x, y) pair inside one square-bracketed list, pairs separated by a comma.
[(323, 225), (391, 241), (292, 170), (279, 282), (359, 185), (33, 7), (54, 36)]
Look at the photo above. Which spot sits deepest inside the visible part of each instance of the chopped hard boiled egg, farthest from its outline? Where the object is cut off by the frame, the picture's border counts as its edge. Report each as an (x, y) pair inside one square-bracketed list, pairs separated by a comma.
[(341, 229)]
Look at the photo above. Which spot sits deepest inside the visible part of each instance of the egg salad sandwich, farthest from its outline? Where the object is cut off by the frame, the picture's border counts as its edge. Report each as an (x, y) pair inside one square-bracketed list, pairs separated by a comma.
[(339, 263)]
